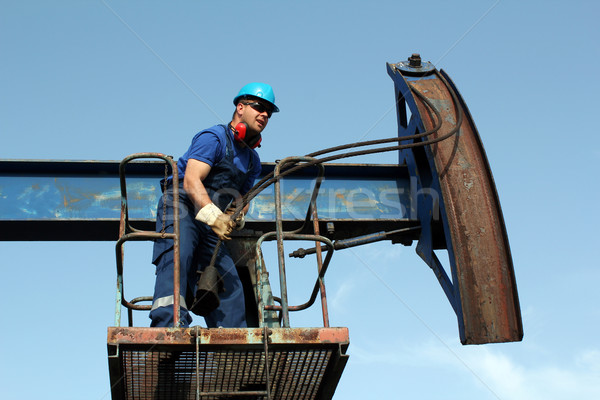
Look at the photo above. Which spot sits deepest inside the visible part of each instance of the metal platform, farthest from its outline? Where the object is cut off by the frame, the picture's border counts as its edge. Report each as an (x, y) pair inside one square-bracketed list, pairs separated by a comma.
[(226, 363)]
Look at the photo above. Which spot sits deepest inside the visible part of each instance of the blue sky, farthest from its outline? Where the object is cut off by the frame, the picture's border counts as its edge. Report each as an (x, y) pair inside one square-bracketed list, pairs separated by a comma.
[(99, 80)]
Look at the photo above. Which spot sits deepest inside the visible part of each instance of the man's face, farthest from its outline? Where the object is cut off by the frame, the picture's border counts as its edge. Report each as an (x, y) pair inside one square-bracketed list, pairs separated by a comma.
[(256, 114)]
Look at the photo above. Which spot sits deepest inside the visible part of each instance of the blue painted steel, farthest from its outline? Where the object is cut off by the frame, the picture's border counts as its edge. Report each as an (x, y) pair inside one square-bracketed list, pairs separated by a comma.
[(69, 191), (74, 197), (339, 199), (458, 207), (430, 205)]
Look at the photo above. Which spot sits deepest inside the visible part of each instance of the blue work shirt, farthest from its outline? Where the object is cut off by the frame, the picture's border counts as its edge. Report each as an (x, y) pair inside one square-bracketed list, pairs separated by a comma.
[(210, 146)]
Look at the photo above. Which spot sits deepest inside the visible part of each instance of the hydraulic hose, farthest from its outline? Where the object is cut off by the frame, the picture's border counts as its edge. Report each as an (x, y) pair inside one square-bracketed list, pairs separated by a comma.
[(268, 179)]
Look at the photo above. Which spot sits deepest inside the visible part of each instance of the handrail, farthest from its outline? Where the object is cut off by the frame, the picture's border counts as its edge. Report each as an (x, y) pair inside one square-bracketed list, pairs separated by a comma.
[(129, 233), (280, 236)]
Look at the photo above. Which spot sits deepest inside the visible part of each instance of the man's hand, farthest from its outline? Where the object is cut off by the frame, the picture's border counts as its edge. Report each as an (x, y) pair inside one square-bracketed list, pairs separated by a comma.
[(220, 223)]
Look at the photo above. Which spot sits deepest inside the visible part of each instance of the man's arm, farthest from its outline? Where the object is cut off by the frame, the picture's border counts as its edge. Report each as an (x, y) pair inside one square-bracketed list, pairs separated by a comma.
[(207, 212), (195, 172)]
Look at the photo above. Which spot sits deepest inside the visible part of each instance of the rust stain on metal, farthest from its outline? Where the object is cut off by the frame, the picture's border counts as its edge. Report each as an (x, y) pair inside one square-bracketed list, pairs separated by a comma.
[(136, 335), (338, 335), (309, 335), (225, 336), (224, 367), (485, 273)]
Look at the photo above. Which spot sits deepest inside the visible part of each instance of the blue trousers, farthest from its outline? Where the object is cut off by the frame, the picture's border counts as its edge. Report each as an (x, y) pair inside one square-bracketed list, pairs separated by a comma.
[(197, 243)]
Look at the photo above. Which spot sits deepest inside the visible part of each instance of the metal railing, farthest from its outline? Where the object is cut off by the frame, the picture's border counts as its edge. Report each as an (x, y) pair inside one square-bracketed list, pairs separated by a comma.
[(129, 233), (284, 308), (311, 223)]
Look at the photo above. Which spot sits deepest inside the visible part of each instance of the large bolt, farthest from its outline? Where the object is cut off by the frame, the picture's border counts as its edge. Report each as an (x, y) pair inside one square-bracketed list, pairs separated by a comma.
[(330, 228), (415, 60)]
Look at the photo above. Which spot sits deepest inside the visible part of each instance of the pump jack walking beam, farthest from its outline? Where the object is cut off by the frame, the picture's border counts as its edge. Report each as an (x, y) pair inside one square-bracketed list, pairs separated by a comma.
[(458, 198)]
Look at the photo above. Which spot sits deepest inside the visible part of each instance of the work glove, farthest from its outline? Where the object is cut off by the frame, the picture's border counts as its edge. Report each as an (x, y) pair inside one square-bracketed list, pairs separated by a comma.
[(220, 223), (240, 221)]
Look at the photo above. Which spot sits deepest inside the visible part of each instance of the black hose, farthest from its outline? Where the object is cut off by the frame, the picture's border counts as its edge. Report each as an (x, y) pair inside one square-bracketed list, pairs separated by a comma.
[(268, 179)]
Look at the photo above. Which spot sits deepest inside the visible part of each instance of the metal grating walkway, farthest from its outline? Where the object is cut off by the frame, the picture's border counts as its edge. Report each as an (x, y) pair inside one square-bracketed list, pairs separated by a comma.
[(168, 363)]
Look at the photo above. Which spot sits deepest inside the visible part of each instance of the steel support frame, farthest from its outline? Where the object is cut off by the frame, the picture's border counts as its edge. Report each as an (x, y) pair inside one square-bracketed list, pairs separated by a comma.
[(65, 200), (482, 289), (427, 205)]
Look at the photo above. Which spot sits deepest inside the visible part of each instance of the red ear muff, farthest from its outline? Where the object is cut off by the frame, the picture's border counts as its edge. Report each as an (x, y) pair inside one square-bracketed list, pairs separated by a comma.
[(255, 141), (239, 133)]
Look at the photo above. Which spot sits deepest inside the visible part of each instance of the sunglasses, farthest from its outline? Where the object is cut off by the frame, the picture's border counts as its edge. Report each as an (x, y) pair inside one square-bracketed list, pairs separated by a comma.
[(259, 107)]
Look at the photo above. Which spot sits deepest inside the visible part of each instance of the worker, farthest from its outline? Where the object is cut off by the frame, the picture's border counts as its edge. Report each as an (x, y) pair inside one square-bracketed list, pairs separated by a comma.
[(219, 167)]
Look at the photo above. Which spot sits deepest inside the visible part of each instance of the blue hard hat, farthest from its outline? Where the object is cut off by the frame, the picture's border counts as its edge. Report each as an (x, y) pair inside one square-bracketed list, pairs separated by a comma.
[(260, 90)]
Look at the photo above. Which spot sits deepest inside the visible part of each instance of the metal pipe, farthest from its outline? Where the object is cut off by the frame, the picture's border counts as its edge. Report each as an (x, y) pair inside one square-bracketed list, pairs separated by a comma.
[(321, 280), (292, 236), (268, 179), (259, 280), (280, 256), (353, 242), (121, 301), (127, 232), (266, 333), (122, 179), (314, 194), (118, 300), (279, 227), (176, 263)]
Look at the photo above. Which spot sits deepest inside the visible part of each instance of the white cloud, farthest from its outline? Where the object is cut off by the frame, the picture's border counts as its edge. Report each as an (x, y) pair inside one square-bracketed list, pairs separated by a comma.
[(340, 299), (494, 372), (590, 360), (374, 355), (508, 378), (382, 253)]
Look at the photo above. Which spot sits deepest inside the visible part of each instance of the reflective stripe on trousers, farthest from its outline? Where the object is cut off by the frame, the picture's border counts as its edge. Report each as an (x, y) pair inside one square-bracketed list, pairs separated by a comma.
[(168, 301)]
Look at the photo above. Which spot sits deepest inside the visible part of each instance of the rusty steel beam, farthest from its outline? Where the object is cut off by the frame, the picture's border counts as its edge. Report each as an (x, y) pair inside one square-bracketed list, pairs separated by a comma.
[(484, 289)]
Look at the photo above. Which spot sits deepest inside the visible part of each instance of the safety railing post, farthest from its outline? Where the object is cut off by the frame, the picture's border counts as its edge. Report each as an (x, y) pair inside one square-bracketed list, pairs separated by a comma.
[(176, 261), (319, 255), (280, 249), (128, 233), (280, 236)]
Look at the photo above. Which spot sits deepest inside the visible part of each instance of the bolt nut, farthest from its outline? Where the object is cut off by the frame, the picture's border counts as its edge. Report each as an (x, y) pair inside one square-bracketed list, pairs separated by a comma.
[(330, 228), (415, 60)]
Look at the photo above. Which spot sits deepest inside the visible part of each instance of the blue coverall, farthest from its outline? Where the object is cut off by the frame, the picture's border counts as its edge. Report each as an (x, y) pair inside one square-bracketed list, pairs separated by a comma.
[(233, 171)]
